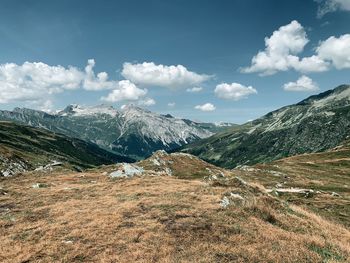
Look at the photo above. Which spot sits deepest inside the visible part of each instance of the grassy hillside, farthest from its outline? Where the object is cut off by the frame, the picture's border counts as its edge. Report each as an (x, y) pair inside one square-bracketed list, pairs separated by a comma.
[(29, 148), (91, 218), (327, 173)]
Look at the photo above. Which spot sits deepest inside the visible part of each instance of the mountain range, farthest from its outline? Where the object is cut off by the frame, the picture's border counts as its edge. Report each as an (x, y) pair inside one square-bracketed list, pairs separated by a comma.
[(132, 131), (315, 124)]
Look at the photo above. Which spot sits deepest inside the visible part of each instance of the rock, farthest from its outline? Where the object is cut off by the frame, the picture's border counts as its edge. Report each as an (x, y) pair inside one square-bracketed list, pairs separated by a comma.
[(40, 185), (14, 167), (236, 196), (168, 171), (49, 167), (156, 162), (306, 192), (67, 242), (127, 170), (225, 202), (231, 198)]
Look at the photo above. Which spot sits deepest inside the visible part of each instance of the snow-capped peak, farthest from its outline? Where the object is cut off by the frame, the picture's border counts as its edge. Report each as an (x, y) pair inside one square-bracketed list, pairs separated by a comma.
[(78, 110)]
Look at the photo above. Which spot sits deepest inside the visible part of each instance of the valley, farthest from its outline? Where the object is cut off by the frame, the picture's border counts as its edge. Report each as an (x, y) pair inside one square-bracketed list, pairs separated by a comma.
[(64, 199)]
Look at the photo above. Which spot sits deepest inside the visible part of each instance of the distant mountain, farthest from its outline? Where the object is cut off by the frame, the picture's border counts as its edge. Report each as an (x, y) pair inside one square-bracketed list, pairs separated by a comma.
[(315, 124), (25, 148), (131, 131)]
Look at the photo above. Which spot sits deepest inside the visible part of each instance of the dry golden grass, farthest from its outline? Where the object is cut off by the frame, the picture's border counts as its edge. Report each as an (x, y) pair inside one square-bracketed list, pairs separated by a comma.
[(326, 172), (91, 218)]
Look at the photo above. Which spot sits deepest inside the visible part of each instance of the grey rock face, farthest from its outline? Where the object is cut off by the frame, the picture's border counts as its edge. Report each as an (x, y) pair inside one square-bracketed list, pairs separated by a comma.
[(132, 131)]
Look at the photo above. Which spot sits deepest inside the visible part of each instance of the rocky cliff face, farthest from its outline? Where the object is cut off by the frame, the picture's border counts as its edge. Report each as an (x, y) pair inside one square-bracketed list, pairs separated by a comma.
[(315, 124)]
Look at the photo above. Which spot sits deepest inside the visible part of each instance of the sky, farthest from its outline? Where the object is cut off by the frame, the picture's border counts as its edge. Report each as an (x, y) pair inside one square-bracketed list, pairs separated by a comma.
[(208, 60)]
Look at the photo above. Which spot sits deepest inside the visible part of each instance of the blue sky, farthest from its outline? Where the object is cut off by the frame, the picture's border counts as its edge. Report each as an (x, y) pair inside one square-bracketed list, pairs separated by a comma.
[(213, 41)]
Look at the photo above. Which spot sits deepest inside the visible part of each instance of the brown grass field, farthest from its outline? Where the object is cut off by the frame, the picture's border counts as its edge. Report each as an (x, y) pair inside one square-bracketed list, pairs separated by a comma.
[(327, 173), (88, 217)]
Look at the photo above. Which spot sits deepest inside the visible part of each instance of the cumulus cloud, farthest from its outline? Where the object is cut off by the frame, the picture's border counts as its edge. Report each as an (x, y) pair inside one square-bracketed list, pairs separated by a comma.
[(327, 6), (281, 50), (194, 89), (336, 50), (304, 83), (205, 107), (93, 82), (171, 104), (233, 91), (125, 90), (150, 74), (36, 83), (33, 81), (147, 102)]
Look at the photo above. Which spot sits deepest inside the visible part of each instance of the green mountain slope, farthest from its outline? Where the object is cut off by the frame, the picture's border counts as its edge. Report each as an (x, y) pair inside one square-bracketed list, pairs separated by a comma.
[(315, 124), (25, 148)]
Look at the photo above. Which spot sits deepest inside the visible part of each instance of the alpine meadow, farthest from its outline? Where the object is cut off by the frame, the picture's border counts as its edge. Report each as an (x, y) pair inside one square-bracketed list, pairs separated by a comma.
[(174, 131)]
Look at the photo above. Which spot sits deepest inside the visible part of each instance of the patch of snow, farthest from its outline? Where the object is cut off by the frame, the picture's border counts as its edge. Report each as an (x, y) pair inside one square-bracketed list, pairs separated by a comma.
[(78, 110)]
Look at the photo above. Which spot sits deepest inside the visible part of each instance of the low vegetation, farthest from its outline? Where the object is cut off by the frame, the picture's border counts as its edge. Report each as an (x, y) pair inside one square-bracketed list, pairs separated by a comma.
[(90, 217), (26, 148), (327, 174)]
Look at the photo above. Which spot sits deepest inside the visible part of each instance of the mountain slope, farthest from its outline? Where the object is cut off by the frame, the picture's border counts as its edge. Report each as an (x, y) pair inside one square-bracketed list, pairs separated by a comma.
[(315, 124), (149, 218), (325, 176), (26, 148), (131, 132)]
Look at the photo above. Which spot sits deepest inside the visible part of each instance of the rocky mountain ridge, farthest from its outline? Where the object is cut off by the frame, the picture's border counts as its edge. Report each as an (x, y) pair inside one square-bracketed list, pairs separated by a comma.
[(131, 131), (315, 124)]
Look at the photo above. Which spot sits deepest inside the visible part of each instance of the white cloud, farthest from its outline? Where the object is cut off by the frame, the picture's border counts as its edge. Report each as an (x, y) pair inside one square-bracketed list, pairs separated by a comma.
[(171, 104), (310, 64), (281, 50), (327, 6), (233, 91), (336, 50), (91, 82), (304, 83), (147, 102), (47, 106), (150, 74), (35, 81), (194, 89), (205, 107), (125, 90)]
